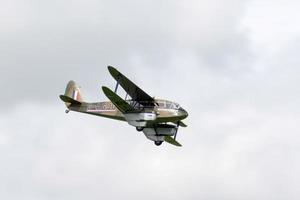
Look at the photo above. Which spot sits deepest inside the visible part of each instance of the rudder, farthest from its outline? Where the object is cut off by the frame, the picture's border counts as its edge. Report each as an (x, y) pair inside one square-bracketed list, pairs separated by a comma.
[(73, 92)]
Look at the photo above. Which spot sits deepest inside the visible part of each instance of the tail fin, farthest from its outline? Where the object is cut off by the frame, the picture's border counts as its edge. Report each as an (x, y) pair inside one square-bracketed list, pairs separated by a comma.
[(72, 93)]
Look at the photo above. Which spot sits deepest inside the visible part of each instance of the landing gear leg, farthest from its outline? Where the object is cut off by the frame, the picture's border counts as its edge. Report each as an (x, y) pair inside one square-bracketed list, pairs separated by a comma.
[(176, 130)]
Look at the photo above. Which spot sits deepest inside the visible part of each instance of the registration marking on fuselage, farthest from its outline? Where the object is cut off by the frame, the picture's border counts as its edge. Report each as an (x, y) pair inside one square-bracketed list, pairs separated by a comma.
[(101, 107)]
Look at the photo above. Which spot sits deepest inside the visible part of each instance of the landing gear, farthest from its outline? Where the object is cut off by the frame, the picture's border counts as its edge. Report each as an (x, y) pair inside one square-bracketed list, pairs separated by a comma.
[(139, 128), (158, 143), (67, 111)]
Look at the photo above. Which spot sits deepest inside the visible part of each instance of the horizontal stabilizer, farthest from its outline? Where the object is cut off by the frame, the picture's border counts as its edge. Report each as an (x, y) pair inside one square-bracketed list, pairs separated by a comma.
[(171, 140), (67, 99), (121, 104)]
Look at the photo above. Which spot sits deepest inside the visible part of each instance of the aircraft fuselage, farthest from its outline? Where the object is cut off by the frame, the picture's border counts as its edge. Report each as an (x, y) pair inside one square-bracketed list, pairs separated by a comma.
[(147, 116)]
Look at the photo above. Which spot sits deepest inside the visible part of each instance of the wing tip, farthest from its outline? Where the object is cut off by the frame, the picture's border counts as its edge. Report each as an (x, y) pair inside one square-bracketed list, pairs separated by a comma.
[(106, 90), (112, 70), (110, 67)]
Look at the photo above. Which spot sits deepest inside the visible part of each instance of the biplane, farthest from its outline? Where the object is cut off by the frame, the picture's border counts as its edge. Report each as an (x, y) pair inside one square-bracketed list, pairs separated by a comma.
[(158, 119)]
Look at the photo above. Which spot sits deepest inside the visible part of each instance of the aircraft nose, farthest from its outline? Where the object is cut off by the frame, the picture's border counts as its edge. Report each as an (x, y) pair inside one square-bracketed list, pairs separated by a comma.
[(183, 112)]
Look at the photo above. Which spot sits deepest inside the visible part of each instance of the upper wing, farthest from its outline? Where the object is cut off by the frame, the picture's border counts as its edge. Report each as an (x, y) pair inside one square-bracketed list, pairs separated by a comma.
[(136, 93), (122, 105)]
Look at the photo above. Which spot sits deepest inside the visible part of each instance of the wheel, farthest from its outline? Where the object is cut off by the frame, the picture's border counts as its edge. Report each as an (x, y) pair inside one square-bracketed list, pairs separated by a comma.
[(67, 111), (139, 128), (157, 143)]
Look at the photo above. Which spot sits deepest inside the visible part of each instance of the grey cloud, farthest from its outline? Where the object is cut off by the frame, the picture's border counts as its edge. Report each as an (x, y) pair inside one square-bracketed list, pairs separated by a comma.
[(59, 41)]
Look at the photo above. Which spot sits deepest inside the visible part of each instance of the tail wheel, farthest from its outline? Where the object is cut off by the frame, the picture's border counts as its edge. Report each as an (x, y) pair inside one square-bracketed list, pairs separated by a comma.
[(158, 143), (139, 128)]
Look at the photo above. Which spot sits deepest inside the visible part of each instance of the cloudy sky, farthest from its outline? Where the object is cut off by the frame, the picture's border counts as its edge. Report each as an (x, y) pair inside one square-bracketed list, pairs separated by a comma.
[(234, 65)]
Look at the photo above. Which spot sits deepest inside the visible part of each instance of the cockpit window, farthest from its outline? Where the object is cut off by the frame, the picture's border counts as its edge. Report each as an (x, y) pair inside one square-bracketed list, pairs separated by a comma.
[(168, 105), (175, 106)]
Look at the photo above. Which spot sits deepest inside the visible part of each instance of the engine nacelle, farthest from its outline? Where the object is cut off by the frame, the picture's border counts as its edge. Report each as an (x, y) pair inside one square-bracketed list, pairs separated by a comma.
[(139, 119), (158, 133)]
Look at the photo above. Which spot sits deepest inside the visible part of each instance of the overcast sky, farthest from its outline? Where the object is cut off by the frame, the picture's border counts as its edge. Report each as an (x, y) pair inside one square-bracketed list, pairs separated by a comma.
[(233, 65)]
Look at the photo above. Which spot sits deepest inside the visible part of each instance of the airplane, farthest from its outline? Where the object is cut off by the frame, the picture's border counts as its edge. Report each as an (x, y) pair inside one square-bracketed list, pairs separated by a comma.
[(158, 119)]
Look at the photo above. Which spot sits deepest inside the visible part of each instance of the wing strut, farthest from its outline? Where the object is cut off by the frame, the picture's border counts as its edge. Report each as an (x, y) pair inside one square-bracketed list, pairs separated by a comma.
[(117, 85)]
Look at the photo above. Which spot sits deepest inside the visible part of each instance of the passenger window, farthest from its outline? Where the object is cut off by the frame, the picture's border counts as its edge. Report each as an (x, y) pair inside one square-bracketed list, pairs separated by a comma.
[(161, 105)]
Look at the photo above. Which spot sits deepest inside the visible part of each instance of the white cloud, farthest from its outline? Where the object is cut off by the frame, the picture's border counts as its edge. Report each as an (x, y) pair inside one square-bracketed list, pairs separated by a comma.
[(272, 25)]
